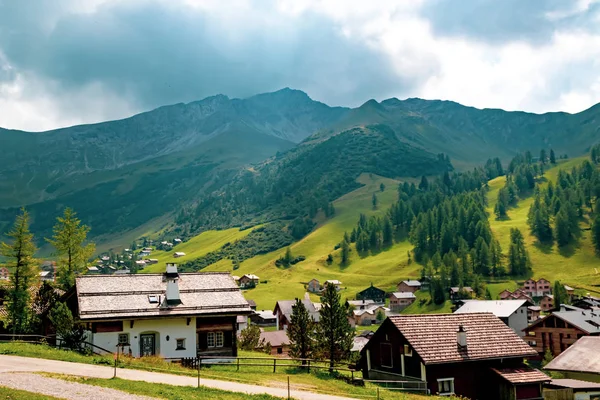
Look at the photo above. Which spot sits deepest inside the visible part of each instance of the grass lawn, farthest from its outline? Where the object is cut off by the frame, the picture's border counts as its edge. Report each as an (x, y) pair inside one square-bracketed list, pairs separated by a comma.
[(316, 381), (196, 247), (384, 269), (163, 391), (576, 266), (14, 394), (424, 305)]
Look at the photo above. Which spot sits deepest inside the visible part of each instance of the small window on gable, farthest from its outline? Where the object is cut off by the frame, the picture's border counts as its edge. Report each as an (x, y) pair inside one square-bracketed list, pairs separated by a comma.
[(407, 350), (153, 299), (180, 344)]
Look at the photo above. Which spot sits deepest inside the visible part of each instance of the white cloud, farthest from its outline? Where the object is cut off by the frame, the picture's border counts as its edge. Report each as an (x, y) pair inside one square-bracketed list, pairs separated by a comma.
[(396, 40)]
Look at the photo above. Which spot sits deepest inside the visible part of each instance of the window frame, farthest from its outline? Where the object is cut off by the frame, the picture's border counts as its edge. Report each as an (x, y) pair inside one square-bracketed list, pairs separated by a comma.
[(408, 350), (441, 381), (217, 338), (120, 342), (391, 354), (177, 346)]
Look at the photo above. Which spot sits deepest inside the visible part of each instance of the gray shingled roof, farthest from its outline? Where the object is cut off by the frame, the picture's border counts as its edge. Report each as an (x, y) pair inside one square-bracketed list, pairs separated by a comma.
[(500, 308), (586, 320), (124, 296), (285, 306), (582, 356)]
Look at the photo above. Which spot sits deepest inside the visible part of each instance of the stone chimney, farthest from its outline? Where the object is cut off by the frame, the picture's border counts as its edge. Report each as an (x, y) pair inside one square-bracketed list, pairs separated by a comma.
[(461, 337), (172, 277)]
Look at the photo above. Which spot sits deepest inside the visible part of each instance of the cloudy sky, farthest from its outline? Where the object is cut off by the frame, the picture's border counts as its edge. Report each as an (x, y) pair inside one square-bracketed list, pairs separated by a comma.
[(64, 62)]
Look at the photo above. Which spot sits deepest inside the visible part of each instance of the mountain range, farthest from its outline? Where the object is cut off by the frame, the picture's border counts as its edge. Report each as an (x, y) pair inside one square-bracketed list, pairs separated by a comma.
[(202, 156)]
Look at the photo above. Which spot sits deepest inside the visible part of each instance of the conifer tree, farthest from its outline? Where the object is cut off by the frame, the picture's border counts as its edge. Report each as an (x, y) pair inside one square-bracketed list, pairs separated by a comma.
[(543, 156), (502, 204), (301, 332), (374, 201), (20, 254), (388, 232), (552, 157), (69, 240), (518, 257), (334, 333), (345, 252), (562, 228), (560, 294), (424, 184), (596, 233)]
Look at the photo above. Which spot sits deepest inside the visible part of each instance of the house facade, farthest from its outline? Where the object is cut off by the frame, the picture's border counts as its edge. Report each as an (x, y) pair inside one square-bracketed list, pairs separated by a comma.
[(400, 300), (537, 288), (313, 286), (248, 281), (279, 341), (283, 312), (547, 302), (372, 293), (4, 274), (171, 315), (471, 355), (558, 331), (408, 286)]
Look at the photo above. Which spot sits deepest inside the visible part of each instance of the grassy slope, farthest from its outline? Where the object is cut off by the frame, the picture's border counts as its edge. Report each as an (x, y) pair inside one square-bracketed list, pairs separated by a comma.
[(196, 247), (575, 266), (383, 270)]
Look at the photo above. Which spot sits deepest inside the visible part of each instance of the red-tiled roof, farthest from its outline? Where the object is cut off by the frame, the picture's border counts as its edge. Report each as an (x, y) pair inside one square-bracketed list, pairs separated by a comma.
[(434, 337), (522, 375)]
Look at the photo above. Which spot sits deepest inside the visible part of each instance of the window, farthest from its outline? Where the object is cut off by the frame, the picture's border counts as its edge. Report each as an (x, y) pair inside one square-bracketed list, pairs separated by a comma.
[(386, 355), (180, 344), (280, 350), (407, 350), (123, 339), (446, 386), (214, 339)]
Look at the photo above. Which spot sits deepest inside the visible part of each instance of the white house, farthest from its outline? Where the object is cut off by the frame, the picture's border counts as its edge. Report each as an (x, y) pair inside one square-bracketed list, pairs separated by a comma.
[(171, 315), (513, 313), (178, 254)]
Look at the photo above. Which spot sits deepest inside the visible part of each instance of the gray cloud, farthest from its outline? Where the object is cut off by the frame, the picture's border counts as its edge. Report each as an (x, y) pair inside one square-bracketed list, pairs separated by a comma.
[(156, 54), (506, 20)]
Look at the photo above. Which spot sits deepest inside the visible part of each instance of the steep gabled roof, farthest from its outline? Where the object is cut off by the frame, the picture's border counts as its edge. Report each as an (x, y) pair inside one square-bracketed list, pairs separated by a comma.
[(522, 375), (587, 321), (285, 306), (434, 337), (582, 356), (125, 296)]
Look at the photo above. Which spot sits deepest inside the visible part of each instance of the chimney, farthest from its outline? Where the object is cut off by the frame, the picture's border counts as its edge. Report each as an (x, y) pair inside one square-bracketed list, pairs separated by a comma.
[(172, 295), (461, 337)]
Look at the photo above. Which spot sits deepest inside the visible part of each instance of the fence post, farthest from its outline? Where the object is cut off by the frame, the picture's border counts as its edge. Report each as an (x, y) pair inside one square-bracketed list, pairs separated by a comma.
[(274, 364), (377, 393), (199, 362), (116, 356), (309, 365), (238, 363), (289, 387)]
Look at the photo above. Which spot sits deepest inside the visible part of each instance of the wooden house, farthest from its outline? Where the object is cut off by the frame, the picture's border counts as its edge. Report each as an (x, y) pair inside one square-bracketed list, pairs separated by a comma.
[(559, 330), (178, 254), (547, 302), (458, 293), (512, 312), (248, 281), (283, 312), (313, 286), (472, 355), (337, 284), (408, 286), (279, 340), (537, 288), (4, 274), (263, 318), (400, 300), (580, 361), (372, 293), (172, 315)]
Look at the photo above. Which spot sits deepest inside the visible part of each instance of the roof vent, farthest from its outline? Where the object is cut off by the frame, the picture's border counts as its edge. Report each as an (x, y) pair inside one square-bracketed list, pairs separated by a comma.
[(461, 337), (171, 272)]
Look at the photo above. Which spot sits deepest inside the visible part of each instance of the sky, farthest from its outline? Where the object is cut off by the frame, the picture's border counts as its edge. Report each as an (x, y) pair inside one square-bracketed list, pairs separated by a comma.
[(66, 62)]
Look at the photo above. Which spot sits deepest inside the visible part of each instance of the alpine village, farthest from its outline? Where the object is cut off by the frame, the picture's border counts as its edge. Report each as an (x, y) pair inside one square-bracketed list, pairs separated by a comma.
[(273, 246)]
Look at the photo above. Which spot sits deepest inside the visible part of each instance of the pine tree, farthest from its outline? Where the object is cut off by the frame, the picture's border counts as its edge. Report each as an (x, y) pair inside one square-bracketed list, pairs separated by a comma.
[(345, 252), (518, 257), (424, 184), (374, 201), (560, 294), (381, 187), (20, 254), (335, 336), (502, 204), (552, 157), (596, 233), (543, 156), (301, 332), (69, 241), (562, 228), (388, 232)]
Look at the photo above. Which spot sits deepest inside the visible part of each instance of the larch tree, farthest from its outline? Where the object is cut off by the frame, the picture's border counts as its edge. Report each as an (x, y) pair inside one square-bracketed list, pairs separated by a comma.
[(20, 254), (518, 257), (69, 240), (552, 157), (596, 233), (334, 333), (301, 332)]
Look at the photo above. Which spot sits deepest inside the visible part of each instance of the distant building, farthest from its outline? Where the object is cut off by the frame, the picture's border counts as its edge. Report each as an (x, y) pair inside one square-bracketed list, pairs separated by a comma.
[(178, 254), (513, 313), (372, 293), (409, 286), (279, 341), (547, 302), (248, 281), (333, 282), (264, 318), (4, 274), (93, 270), (313, 286), (283, 312), (537, 288), (457, 293), (369, 316), (518, 294), (400, 300)]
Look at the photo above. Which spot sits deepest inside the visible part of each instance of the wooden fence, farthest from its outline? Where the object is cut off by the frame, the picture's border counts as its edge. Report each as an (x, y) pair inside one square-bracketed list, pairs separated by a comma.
[(558, 394)]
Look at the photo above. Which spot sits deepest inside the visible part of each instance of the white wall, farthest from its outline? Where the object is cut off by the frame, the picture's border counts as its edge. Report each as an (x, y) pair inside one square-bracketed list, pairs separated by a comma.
[(175, 328), (518, 320)]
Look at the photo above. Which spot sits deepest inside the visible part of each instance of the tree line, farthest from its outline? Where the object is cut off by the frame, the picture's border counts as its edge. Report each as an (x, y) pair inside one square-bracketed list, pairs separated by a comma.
[(25, 307)]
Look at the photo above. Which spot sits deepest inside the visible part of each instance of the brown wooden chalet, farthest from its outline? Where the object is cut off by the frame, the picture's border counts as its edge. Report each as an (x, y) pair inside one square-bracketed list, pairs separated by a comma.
[(172, 315), (561, 329), (472, 355)]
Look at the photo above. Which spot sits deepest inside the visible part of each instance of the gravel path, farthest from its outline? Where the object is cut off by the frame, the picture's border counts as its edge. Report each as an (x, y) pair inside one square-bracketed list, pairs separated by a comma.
[(63, 389)]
